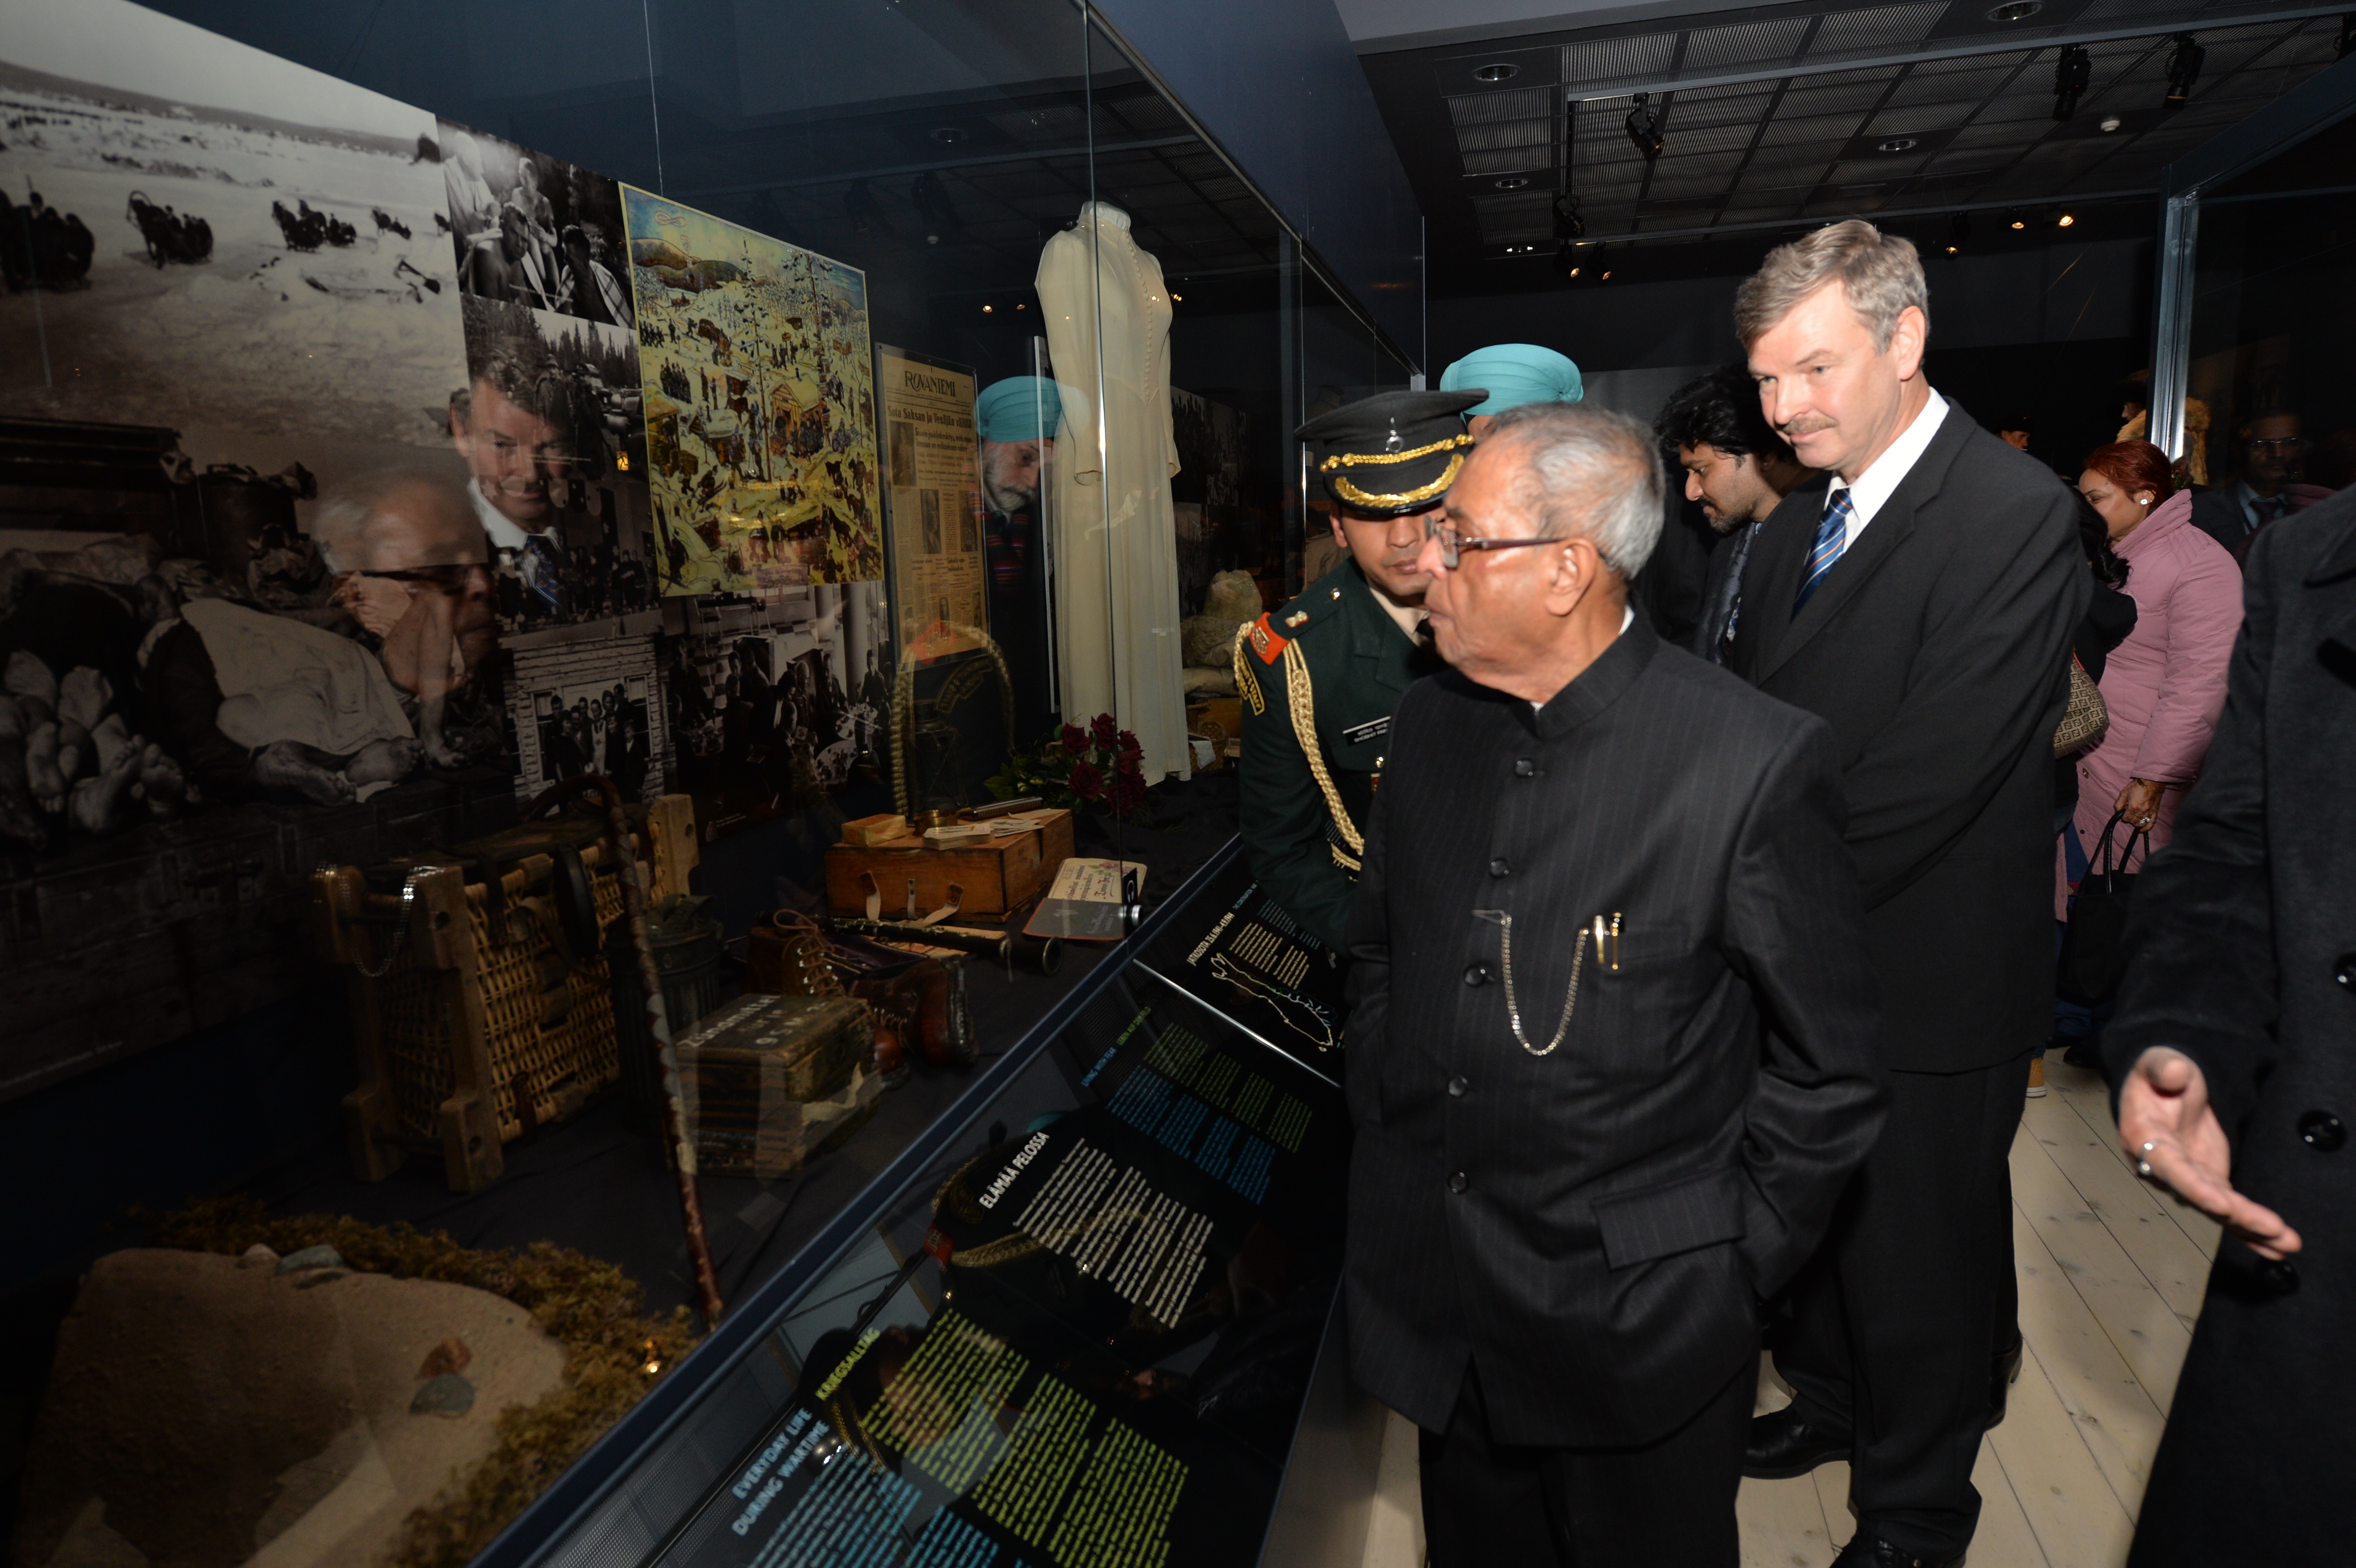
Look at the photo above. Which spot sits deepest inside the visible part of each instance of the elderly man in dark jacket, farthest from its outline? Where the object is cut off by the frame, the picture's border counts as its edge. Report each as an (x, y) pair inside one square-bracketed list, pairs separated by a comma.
[(1610, 1057), (2234, 1048)]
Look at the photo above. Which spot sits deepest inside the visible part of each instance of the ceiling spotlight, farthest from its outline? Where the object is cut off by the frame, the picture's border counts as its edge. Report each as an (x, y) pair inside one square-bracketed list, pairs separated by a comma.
[(2183, 69), (1566, 260), (986, 310), (859, 205), (1959, 232), (1644, 126), (1176, 297), (2016, 11), (948, 136), (1568, 223), (2063, 221), (1500, 72), (2019, 223), (2111, 122), (2073, 70), (1513, 182), (933, 206), (1896, 144)]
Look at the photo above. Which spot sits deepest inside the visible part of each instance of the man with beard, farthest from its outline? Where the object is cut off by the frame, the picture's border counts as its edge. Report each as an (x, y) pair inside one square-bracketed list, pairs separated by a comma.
[(1320, 676), (1738, 469), (1015, 422), (504, 426)]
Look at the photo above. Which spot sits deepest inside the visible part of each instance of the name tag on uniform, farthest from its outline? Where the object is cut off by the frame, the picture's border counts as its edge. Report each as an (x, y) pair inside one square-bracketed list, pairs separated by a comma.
[(1358, 735)]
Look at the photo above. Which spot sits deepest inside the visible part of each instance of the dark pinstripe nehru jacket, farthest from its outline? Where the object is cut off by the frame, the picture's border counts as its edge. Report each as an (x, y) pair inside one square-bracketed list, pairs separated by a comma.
[(1594, 1227)]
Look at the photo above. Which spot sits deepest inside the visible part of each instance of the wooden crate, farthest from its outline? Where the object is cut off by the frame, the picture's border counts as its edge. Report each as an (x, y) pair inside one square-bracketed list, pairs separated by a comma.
[(997, 879), (766, 1077), (466, 1040)]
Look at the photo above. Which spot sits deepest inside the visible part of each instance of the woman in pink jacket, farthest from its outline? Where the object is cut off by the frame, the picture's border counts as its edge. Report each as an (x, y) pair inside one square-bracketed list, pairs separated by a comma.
[(2164, 683)]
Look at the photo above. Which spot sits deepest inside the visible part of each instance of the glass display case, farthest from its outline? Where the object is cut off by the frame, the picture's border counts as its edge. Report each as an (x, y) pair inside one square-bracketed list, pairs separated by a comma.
[(1080, 1324), (798, 418), (2258, 260)]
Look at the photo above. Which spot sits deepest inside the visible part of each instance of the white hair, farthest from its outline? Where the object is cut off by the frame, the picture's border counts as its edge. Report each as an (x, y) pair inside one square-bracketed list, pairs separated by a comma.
[(342, 525), (1591, 473)]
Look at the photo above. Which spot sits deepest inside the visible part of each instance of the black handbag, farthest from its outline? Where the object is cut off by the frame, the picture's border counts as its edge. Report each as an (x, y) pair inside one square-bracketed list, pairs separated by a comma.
[(2094, 949)]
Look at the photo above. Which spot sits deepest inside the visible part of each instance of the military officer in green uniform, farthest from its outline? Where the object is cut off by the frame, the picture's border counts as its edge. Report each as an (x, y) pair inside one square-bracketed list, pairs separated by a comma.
[(1318, 677)]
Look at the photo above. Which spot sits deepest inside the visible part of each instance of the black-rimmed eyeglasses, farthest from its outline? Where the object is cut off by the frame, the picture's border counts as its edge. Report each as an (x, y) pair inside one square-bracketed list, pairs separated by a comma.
[(1453, 544)]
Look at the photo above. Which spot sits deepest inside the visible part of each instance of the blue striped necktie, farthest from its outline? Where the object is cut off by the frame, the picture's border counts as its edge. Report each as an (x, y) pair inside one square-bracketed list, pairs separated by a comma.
[(1832, 538)]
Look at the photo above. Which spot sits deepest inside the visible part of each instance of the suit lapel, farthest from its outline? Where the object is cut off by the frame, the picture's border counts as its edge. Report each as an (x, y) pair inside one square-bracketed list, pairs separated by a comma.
[(1881, 539), (1771, 577)]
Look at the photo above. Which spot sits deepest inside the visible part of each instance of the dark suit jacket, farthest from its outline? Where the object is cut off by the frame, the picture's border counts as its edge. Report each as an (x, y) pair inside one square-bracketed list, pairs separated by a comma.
[(1938, 649), (2218, 513), (2242, 955), (1594, 1226)]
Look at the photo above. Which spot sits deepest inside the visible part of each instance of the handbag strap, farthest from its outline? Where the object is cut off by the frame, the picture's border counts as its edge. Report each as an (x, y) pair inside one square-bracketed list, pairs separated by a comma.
[(2127, 852)]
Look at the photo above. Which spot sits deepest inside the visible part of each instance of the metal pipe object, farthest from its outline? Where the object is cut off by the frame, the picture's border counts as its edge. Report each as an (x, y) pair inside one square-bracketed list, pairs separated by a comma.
[(634, 907)]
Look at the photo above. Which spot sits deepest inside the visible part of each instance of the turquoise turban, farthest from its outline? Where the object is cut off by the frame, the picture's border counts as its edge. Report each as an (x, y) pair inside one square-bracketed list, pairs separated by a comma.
[(1514, 373), (1020, 408)]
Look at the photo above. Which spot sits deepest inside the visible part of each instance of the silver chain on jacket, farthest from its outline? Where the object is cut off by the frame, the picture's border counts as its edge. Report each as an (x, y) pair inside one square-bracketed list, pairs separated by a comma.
[(1577, 964)]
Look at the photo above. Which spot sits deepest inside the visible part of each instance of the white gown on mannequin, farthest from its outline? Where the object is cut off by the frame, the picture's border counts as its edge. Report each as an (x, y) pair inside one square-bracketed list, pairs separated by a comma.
[(1116, 536)]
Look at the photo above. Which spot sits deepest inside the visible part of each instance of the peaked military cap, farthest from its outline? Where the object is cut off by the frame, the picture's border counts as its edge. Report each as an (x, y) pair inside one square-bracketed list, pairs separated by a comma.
[(1392, 453)]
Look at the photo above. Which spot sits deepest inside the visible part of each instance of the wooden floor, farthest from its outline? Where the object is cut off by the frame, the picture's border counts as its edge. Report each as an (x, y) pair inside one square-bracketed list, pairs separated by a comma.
[(2111, 1276)]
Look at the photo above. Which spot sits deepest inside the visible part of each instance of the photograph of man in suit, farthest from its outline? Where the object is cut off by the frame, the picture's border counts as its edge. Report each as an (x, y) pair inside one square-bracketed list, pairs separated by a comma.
[(1920, 596), (1609, 1056)]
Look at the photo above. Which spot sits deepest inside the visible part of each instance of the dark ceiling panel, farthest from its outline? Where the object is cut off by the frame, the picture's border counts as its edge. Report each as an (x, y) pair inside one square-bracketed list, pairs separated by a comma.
[(1759, 132)]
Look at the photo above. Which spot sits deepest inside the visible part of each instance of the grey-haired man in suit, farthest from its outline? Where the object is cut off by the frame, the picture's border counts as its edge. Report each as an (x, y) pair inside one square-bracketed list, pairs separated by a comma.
[(1609, 1056)]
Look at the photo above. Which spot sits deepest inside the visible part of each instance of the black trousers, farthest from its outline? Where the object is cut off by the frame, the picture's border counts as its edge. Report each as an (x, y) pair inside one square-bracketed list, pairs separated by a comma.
[(1668, 1504), (1895, 1323)]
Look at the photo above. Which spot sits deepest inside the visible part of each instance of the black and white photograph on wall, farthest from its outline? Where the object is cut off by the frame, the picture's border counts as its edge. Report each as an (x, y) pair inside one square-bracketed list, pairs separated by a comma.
[(595, 729), (590, 707), (200, 229), (535, 230), (552, 430), (246, 623), (778, 708)]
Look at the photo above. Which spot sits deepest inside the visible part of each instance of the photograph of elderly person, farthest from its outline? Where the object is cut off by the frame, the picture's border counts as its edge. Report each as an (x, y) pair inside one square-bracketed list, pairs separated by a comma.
[(264, 704), (533, 230)]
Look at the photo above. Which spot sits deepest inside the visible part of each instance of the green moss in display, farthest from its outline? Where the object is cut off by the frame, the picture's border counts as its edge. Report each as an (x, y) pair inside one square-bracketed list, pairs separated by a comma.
[(613, 1352)]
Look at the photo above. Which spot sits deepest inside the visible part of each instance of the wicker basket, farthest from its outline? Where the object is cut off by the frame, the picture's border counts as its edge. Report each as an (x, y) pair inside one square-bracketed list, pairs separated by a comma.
[(476, 1025)]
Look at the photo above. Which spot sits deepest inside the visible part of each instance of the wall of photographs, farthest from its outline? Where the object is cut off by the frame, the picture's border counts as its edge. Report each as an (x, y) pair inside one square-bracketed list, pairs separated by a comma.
[(371, 460), (362, 475)]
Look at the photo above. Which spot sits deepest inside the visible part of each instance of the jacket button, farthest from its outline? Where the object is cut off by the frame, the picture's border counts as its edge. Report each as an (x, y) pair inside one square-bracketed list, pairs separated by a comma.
[(1459, 1182), (2280, 1274), (1525, 768), (1456, 1087), (2343, 969), (1476, 973), (1497, 868), (2321, 1131)]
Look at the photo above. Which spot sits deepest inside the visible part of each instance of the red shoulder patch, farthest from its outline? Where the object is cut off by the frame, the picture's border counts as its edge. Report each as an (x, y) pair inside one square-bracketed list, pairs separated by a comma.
[(1266, 641)]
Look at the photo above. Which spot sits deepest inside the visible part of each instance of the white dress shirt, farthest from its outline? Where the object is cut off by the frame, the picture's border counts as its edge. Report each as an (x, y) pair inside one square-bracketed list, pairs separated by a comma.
[(1882, 475), (502, 533)]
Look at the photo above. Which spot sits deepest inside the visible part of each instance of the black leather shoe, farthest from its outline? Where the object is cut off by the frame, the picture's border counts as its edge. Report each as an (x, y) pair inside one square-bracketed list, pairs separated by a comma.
[(1784, 1443), (1871, 1552), (2005, 1373), (2082, 1053)]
